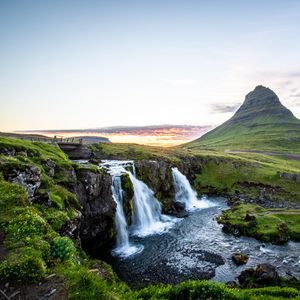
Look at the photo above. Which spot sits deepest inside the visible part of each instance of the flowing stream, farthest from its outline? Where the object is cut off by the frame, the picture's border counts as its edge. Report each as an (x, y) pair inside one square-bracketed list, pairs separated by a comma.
[(197, 248)]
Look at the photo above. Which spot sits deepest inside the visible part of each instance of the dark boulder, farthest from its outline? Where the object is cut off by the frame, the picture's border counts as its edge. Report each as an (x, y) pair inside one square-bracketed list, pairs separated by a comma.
[(240, 258), (179, 206), (232, 284), (282, 234), (263, 275)]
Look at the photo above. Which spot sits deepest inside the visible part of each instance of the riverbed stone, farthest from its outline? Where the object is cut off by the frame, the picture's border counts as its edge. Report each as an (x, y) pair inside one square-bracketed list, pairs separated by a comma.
[(263, 275), (240, 258)]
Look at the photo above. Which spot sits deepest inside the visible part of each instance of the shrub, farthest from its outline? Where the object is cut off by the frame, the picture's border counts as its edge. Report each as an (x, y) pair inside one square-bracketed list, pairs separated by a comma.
[(63, 248)]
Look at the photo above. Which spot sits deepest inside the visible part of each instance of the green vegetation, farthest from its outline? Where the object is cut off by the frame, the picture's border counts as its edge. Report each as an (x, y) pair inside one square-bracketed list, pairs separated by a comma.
[(270, 225), (63, 248), (30, 229), (34, 248), (250, 175)]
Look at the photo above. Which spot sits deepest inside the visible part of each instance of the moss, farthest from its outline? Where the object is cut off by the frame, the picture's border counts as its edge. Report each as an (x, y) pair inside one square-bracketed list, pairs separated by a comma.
[(85, 284), (62, 198), (27, 222), (25, 264), (57, 218), (11, 195)]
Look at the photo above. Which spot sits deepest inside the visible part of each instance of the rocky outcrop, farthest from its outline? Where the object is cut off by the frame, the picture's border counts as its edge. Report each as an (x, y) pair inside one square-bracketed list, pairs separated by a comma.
[(240, 258), (263, 275), (29, 177), (97, 227), (76, 151), (158, 176), (290, 176)]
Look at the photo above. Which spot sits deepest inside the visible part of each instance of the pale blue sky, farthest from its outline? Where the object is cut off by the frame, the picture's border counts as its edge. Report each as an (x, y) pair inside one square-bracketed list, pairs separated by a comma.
[(81, 64)]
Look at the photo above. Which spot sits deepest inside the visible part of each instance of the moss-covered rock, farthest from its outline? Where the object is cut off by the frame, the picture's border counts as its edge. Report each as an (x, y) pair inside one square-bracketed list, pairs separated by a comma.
[(128, 194), (263, 224), (240, 258)]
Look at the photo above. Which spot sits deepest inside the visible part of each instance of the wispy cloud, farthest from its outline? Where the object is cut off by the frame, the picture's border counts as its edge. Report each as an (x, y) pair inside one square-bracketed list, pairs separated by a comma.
[(224, 108)]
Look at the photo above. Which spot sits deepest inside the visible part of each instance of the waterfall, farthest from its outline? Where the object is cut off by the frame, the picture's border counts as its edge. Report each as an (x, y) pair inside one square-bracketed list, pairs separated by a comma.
[(185, 194), (147, 215), (123, 246)]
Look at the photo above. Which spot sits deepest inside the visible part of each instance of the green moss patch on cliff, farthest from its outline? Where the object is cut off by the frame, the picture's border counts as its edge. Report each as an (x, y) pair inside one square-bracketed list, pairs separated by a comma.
[(270, 225)]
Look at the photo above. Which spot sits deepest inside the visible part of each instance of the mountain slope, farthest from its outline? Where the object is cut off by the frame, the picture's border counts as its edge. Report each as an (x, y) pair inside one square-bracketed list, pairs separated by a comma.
[(261, 123)]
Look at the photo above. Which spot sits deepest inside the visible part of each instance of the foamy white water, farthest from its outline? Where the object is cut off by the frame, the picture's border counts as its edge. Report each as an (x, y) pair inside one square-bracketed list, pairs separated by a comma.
[(147, 216), (185, 194), (123, 247), (147, 213)]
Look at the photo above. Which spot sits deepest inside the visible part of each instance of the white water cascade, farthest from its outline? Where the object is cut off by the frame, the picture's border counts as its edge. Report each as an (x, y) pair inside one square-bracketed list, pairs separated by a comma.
[(147, 217), (185, 194), (123, 247)]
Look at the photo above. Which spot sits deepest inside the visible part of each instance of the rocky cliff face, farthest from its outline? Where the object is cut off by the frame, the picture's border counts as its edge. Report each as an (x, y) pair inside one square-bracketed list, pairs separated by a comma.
[(93, 191)]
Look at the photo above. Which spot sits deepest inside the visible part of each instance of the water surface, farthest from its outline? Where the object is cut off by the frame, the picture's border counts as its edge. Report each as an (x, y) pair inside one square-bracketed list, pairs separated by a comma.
[(196, 248)]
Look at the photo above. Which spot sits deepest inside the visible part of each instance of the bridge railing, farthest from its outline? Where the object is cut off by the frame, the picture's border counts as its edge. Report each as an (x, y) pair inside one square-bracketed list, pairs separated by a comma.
[(58, 140)]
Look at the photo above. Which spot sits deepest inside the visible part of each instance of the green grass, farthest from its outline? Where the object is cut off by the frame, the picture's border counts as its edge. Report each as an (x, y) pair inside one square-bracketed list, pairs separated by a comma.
[(243, 174), (270, 224)]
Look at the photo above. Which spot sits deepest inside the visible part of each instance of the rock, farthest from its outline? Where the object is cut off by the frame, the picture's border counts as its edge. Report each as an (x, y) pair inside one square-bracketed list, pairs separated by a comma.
[(290, 176), (72, 228), (249, 217), (43, 197), (179, 206), (229, 229), (76, 151), (158, 176), (97, 226), (22, 153), (30, 179), (8, 152), (283, 234), (263, 275), (50, 167), (240, 258), (232, 284)]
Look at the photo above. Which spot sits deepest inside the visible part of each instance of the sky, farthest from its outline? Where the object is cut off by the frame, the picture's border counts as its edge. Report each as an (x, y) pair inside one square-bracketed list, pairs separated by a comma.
[(89, 64)]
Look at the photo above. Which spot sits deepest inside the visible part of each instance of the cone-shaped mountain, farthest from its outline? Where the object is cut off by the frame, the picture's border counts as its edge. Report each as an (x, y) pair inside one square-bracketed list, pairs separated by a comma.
[(261, 123)]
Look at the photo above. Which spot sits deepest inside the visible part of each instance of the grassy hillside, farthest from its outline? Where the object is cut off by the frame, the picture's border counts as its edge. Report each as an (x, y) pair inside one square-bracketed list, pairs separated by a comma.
[(261, 123)]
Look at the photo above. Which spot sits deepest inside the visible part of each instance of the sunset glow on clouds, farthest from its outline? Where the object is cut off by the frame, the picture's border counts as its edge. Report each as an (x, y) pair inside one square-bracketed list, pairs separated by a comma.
[(165, 135)]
